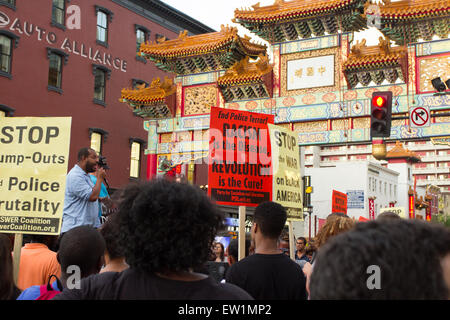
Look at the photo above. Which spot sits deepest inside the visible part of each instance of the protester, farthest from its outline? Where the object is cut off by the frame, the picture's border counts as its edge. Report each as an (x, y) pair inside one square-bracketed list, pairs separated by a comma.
[(395, 259), (233, 250), (212, 254), (300, 253), (37, 262), (310, 251), (388, 215), (105, 202), (166, 229), (81, 247), (8, 290), (268, 273), (219, 252), (335, 224), (81, 196), (283, 243), (114, 253)]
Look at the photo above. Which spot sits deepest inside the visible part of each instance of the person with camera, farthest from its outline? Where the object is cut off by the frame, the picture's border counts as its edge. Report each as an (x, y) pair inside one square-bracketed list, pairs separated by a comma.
[(81, 197), (104, 199)]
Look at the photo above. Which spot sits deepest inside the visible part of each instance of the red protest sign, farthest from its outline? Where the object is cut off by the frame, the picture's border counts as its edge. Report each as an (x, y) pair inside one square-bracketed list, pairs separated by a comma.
[(339, 202), (240, 161)]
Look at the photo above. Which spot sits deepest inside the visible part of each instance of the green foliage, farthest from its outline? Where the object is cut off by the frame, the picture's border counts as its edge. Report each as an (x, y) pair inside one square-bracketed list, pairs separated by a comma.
[(442, 219)]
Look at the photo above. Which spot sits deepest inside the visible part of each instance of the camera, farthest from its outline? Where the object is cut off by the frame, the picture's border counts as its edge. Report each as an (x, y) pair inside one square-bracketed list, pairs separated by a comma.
[(102, 163)]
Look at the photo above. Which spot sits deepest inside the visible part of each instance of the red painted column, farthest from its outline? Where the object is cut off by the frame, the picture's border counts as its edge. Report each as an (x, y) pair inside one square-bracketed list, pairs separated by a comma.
[(151, 166)]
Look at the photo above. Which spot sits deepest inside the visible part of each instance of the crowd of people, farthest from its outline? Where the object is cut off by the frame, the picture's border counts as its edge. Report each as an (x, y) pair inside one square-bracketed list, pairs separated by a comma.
[(159, 244)]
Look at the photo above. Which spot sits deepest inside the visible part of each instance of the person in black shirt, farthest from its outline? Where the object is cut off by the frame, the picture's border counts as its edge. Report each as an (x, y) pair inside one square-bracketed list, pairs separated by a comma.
[(166, 230), (268, 274)]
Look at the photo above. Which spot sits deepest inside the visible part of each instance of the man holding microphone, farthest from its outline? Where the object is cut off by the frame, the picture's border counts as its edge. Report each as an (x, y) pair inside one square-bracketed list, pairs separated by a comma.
[(82, 195)]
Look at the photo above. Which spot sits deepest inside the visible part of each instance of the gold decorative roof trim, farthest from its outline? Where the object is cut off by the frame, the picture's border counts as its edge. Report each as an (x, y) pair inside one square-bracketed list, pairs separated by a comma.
[(282, 10), (408, 8), (245, 71), (200, 44), (400, 152), (361, 54), (155, 92)]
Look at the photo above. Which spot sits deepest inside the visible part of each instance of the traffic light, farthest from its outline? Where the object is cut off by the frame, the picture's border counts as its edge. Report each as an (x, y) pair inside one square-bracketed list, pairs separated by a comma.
[(381, 114), (307, 190)]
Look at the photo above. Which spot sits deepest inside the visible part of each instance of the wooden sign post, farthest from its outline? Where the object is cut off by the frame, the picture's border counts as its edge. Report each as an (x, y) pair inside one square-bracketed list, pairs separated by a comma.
[(241, 243), (291, 241), (18, 239)]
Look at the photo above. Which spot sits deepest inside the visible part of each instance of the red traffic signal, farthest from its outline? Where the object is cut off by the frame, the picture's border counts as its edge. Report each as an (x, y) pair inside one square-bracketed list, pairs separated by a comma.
[(379, 101), (381, 114)]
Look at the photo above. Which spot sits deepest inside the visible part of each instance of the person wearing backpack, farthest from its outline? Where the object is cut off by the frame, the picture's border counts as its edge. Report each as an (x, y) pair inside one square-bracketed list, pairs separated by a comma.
[(81, 250)]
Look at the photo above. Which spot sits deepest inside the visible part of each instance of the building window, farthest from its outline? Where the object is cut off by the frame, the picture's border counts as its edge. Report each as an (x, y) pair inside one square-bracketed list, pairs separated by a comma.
[(135, 157), (99, 85), (7, 41), (97, 136), (6, 111), (102, 27), (8, 3), (142, 35), (100, 75), (104, 17), (56, 58), (55, 71), (59, 13), (5, 54), (140, 38), (96, 142), (139, 83)]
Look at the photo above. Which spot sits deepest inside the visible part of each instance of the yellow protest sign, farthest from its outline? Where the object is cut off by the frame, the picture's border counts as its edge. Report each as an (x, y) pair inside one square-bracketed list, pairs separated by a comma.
[(398, 210), (287, 182), (33, 166)]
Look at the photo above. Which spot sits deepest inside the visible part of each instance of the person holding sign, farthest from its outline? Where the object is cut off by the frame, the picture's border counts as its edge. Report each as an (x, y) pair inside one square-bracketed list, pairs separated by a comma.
[(81, 196), (268, 274)]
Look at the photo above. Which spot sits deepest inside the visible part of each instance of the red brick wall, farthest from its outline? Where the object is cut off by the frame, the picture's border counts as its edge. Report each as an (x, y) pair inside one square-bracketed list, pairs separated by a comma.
[(27, 91)]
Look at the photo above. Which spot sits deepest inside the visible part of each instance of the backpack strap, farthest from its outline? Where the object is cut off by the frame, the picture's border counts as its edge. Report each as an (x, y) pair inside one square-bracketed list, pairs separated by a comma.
[(49, 284)]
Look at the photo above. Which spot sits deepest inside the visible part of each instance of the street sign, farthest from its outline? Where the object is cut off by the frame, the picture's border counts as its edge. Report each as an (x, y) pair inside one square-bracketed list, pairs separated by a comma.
[(355, 199), (419, 117)]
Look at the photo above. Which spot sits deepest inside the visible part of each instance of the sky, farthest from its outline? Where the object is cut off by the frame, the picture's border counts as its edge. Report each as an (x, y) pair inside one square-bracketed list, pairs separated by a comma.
[(214, 13)]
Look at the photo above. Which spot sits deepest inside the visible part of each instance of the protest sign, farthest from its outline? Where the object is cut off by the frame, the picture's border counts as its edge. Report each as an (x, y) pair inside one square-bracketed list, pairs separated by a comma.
[(338, 202), (287, 182), (398, 210), (240, 157), (33, 166)]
